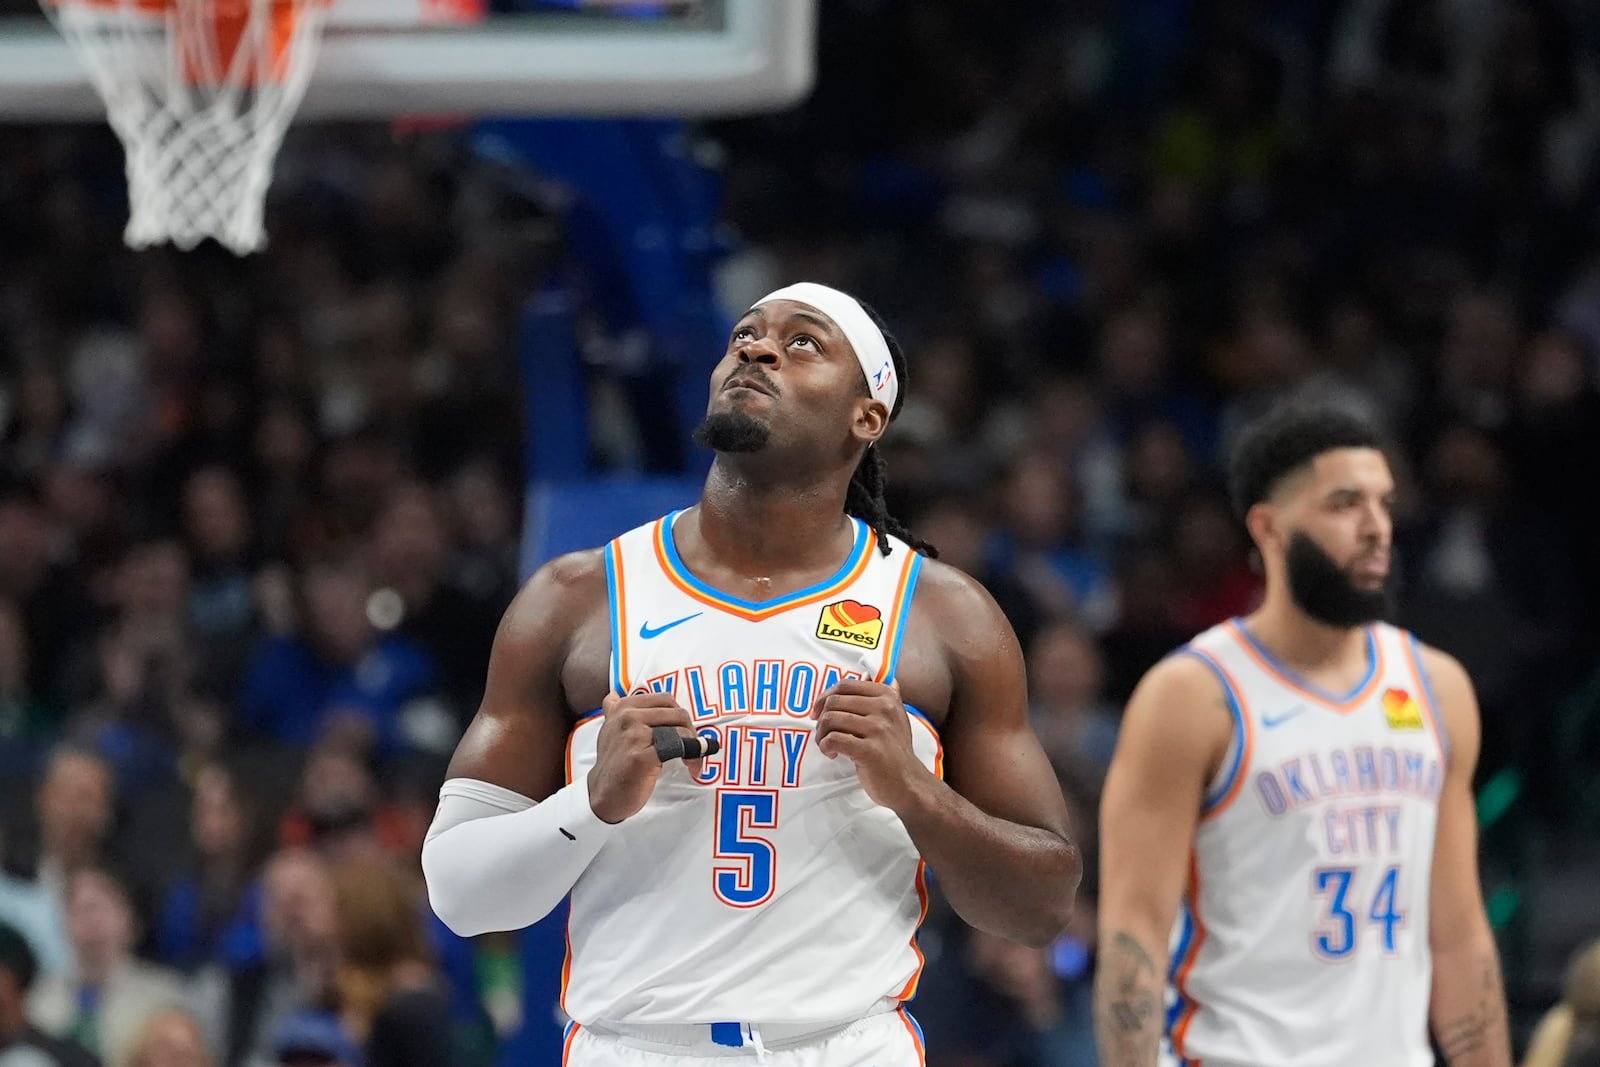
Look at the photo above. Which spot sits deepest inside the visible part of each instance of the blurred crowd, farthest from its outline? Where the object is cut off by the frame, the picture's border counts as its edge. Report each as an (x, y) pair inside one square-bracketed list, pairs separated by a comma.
[(259, 518)]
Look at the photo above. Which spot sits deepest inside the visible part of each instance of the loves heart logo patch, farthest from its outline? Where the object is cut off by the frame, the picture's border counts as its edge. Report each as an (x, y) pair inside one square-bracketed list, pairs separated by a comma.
[(851, 622), (1400, 708)]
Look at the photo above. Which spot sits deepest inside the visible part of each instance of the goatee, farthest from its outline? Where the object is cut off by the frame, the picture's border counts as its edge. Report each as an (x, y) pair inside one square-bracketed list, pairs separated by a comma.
[(1321, 589), (732, 431)]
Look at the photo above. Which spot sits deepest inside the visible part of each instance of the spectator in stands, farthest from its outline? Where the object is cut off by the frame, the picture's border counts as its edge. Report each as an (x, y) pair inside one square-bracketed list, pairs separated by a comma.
[(35, 910), (408, 552), (1146, 627), (110, 994), (390, 996), (168, 1039), (1065, 678), (76, 807), (1158, 473), (1045, 997), (341, 673), (38, 432), (1491, 585), (340, 811), (241, 1009), (314, 1039), (1212, 576), (218, 532), (138, 670), (20, 1042), (212, 911), (1040, 544), (281, 461), (483, 516), (49, 595)]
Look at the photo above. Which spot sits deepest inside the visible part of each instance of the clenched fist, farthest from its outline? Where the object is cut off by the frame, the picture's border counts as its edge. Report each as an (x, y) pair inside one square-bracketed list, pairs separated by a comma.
[(626, 765), (867, 723)]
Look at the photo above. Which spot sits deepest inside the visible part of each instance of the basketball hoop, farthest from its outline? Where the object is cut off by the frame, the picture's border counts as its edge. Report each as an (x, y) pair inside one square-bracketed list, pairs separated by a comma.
[(201, 93)]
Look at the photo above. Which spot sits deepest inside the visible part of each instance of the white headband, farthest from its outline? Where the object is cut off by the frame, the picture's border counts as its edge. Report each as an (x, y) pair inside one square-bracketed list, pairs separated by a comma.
[(872, 351)]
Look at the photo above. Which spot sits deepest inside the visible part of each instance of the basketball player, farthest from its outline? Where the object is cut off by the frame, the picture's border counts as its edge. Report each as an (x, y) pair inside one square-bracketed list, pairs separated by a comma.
[(869, 716), (1291, 802)]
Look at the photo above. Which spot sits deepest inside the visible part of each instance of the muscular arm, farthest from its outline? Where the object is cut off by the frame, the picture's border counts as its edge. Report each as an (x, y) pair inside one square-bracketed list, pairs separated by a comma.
[(1174, 732), (1468, 1008), (995, 832), (488, 835)]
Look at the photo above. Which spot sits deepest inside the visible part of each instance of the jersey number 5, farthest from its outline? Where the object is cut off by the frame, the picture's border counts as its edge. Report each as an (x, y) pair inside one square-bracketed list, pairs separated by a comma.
[(1336, 935), (745, 863)]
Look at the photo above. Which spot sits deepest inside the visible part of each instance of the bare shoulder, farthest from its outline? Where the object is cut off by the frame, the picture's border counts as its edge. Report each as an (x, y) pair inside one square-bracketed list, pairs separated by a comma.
[(959, 649), (1178, 714), (1179, 678), (965, 616), (574, 575), (1444, 672), (548, 655), (560, 590)]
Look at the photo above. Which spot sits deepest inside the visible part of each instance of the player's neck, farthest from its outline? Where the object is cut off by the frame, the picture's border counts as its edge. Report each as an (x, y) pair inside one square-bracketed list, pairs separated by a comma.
[(761, 529), (1295, 638)]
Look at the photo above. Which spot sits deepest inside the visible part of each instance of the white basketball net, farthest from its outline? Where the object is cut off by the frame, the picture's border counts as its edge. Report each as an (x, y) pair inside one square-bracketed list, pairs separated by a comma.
[(201, 126)]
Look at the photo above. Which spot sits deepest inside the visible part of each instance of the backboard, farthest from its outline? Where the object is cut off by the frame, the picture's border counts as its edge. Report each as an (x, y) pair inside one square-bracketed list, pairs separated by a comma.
[(380, 58)]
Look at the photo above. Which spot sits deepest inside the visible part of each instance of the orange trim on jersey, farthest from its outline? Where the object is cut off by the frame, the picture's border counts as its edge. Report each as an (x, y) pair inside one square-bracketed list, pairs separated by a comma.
[(566, 1046), (909, 990), (619, 637), (1343, 707), (1247, 744), (916, 1038), (1180, 1029), (897, 618), (566, 964), (722, 603), (566, 936), (1425, 697)]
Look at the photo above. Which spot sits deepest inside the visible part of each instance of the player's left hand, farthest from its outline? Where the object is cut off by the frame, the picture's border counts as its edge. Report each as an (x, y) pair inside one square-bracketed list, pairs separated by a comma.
[(867, 723)]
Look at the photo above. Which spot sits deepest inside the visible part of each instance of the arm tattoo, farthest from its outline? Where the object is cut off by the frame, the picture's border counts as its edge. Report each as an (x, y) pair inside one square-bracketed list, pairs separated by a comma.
[(1481, 1029), (1128, 1014)]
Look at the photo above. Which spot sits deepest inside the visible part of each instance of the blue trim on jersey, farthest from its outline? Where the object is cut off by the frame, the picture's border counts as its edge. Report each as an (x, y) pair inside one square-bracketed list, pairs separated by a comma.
[(1316, 690), (612, 604), (1178, 1000), (1235, 746), (682, 572), (1427, 693), (900, 619), (586, 716), (919, 713), (729, 1034), (922, 1038)]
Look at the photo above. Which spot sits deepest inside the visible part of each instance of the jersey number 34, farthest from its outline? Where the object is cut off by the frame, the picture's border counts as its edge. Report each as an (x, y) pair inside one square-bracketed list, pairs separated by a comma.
[(1346, 911)]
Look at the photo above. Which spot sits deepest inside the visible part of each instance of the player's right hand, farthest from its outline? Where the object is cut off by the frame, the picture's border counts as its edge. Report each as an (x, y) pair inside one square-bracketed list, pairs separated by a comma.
[(626, 765)]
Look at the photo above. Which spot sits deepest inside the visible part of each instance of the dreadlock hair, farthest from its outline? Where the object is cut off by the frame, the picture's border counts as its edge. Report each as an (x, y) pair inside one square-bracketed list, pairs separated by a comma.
[(865, 497)]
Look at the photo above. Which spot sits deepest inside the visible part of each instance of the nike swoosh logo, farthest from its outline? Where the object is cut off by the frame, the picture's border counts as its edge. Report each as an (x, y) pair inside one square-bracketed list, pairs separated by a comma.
[(646, 632), (1269, 721)]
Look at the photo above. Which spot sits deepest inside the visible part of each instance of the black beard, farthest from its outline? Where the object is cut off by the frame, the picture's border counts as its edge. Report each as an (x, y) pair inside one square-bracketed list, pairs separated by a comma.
[(732, 431), (1325, 592)]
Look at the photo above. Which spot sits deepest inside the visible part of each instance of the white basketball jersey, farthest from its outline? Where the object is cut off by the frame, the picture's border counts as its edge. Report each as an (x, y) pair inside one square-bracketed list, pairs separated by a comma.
[(1303, 937), (770, 888)]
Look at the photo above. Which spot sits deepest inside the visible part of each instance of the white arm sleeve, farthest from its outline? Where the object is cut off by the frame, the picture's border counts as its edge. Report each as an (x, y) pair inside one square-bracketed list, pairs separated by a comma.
[(495, 860)]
